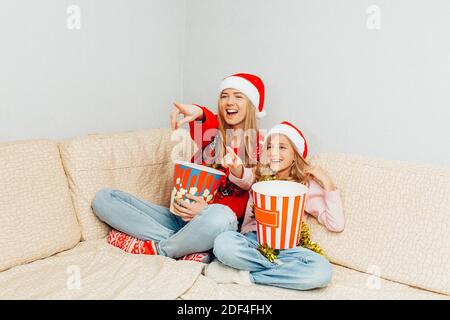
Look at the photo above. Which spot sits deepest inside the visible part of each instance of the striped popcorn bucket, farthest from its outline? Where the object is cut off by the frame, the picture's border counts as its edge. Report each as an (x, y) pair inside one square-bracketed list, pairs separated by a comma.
[(196, 180), (279, 207)]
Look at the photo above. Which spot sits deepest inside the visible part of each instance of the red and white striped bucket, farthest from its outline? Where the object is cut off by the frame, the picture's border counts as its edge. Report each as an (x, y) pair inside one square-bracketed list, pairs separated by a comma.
[(195, 179), (279, 207)]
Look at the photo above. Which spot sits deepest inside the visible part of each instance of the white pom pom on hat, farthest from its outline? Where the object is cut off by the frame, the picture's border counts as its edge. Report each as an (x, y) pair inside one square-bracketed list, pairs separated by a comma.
[(251, 85)]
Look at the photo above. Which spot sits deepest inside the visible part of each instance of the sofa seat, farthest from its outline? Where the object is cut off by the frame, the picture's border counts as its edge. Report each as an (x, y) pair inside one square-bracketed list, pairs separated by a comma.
[(105, 273), (346, 284)]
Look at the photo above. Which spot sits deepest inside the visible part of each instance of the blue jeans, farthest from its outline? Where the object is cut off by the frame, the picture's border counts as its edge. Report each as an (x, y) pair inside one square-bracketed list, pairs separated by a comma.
[(147, 221), (297, 268)]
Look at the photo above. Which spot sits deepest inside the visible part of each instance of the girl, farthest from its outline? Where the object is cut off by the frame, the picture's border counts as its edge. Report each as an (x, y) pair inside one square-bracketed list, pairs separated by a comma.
[(298, 268), (143, 227)]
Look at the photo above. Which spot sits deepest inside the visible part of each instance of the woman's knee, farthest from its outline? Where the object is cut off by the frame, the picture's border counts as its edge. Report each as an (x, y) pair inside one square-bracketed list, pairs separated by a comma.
[(101, 199), (219, 218)]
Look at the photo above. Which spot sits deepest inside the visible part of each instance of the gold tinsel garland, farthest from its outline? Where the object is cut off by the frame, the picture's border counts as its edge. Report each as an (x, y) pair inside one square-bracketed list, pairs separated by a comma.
[(305, 234)]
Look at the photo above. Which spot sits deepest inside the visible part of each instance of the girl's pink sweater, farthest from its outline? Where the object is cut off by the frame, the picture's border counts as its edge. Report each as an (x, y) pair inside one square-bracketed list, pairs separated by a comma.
[(323, 205)]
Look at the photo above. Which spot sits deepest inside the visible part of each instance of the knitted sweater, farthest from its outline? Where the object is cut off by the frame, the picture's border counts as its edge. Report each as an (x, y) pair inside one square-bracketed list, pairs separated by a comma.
[(229, 194)]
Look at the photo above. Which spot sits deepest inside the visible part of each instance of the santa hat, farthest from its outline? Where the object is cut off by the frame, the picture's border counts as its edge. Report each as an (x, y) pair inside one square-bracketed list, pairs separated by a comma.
[(252, 86), (294, 134)]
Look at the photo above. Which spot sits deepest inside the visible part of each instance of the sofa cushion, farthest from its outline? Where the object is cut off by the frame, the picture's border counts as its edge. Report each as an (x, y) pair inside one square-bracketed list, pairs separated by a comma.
[(37, 218), (397, 220), (138, 162), (347, 284), (97, 270)]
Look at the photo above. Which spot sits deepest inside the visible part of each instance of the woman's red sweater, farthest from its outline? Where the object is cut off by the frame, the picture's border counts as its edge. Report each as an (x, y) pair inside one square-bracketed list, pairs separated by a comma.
[(229, 194)]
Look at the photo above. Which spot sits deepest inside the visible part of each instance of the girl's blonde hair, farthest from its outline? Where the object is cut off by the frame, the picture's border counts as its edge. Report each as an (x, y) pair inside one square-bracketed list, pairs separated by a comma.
[(297, 172), (250, 135)]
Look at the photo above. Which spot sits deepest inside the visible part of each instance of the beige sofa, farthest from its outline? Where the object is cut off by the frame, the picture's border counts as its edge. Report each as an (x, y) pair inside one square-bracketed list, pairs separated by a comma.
[(395, 245)]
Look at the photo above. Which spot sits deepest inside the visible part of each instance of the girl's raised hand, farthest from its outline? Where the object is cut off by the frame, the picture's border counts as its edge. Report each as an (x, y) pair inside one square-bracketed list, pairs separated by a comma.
[(233, 162), (321, 176), (189, 111)]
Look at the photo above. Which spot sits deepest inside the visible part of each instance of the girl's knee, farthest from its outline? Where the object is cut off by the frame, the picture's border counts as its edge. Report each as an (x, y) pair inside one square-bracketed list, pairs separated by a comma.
[(225, 240), (313, 274), (320, 275), (324, 274), (224, 246)]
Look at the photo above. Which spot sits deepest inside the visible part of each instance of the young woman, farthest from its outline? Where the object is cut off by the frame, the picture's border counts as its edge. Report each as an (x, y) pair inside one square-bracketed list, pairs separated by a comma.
[(142, 227), (298, 268)]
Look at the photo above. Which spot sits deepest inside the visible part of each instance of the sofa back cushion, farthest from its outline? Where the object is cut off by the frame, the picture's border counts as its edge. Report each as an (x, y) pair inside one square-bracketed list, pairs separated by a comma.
[(37, 218), (397, 220), (137, 162)]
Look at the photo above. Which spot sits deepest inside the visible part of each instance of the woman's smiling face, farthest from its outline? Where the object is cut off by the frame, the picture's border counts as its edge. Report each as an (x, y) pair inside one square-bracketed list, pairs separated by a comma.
[(280, 152), (233, 106)]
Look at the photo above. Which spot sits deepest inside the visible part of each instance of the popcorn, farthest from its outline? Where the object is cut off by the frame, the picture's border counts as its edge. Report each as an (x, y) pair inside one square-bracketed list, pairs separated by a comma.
[(189, 177), (177, 194)]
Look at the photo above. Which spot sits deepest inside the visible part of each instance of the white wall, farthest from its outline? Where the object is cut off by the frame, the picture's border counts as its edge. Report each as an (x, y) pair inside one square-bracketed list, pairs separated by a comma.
[(382, 93), (379, 93), (120, 71)]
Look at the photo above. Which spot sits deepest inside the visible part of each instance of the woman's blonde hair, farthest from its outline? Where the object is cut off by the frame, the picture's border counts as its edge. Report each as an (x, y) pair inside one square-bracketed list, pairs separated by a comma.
[(297, 172), (250, 135)]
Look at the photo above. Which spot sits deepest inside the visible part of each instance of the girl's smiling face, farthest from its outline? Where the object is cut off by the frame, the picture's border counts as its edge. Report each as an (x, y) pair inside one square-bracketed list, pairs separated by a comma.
[(280, 153), (233, 106)]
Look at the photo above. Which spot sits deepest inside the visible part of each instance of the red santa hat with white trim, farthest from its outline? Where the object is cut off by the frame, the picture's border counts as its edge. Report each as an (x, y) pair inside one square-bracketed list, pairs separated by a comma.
[(250, 85), (294, 134)]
